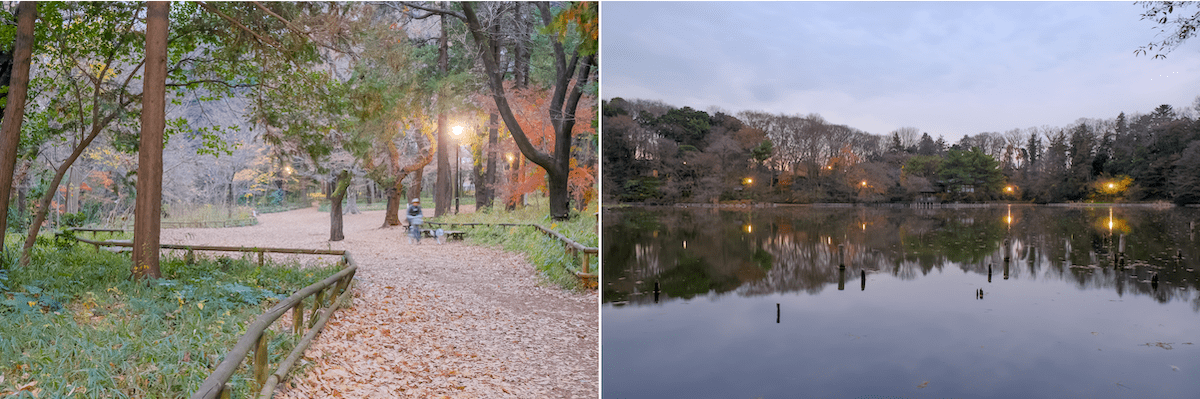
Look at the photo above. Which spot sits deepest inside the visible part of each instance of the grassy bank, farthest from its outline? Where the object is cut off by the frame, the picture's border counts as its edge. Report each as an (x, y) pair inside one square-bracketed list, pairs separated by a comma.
[(544, 252), (72, 323)]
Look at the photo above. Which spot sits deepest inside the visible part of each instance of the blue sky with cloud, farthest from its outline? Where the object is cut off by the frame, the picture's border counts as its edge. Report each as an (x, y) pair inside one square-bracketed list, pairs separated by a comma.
[(947, 68)]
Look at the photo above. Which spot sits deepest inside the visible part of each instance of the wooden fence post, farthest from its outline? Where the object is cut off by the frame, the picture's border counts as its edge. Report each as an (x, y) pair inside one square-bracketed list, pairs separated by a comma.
[(317, 301), (298, 319), (260, 362)]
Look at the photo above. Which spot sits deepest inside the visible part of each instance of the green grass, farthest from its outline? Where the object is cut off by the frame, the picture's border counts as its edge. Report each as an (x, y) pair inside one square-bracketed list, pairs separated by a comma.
[(547, 254), (74, 322)]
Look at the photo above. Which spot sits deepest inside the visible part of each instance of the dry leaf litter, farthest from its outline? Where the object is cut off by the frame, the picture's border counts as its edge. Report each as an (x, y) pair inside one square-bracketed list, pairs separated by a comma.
[(429, 320)]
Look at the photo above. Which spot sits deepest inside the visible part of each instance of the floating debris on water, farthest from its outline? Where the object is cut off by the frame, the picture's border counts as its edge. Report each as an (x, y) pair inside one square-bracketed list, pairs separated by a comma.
[(1164, 345)]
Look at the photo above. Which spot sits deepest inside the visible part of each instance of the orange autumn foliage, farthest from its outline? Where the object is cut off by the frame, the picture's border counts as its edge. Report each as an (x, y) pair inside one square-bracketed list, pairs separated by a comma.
[(530, 108)]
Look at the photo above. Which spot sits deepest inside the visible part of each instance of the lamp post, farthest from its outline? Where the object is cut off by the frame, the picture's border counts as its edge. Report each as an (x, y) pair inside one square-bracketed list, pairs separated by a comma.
[(457, 164)]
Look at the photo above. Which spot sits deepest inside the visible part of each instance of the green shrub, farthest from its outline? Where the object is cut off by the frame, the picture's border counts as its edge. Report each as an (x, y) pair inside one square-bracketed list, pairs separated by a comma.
[(546, 253), (74, 322)]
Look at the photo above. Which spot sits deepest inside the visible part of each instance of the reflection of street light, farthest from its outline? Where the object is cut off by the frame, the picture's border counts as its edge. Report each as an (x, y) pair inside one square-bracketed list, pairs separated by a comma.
[(1110, 219), (457, 165)]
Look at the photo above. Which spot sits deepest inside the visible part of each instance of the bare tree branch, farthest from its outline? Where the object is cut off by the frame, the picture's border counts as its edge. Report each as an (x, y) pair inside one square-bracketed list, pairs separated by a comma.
[(214, 10)]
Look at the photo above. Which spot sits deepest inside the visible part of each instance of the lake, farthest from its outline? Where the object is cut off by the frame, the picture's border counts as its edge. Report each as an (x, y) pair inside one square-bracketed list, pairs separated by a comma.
[(988, 302)]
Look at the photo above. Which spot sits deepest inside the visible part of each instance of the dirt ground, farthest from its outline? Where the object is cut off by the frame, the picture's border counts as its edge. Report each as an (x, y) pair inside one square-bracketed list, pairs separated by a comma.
[(431, 320)]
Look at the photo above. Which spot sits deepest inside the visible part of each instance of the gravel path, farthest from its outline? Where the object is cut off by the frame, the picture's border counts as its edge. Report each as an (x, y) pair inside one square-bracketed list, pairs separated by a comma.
[(430, 320)]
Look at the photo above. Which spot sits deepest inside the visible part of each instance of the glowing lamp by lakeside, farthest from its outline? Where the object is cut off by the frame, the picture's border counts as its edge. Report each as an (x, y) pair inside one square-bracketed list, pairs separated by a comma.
[(747, 181)]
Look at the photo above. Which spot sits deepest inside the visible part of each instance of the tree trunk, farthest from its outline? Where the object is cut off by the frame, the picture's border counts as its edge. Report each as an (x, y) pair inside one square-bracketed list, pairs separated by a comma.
[(147, 218), (489, 179), (395, 197), (370, 191), (563, 104), (414, 190), (522, 54), (14, 109), (477, 178), (44, 205), (442, 198), (335, 206)]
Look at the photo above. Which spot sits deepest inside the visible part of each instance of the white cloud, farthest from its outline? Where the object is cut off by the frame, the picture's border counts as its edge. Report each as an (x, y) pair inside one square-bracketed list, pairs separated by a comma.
[(948, 68)]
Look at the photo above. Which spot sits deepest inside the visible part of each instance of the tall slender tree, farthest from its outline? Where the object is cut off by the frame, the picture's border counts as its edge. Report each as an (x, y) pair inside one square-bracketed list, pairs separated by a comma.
[(147, 221), (14, 110)]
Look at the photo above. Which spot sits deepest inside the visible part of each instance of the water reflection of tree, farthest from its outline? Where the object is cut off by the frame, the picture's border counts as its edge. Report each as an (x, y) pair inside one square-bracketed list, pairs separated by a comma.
[(758, 252)]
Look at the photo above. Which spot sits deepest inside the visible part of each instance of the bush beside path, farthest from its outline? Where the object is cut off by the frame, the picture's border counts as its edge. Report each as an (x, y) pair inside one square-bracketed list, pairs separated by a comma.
[(432, 320)]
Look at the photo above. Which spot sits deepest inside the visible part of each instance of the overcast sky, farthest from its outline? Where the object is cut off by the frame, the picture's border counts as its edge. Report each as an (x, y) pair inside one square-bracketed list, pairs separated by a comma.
[(947, 68)]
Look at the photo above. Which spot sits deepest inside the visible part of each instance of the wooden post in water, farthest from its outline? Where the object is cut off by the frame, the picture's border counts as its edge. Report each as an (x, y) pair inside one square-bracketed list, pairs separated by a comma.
[(842, 278), (776, 313), (864, 280), (1121, 251), (989, 272), (1007, 250), (842, 256)]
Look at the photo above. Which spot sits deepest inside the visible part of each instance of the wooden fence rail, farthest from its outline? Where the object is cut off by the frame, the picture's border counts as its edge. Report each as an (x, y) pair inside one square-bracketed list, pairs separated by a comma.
[(338, 286), (576, 249)]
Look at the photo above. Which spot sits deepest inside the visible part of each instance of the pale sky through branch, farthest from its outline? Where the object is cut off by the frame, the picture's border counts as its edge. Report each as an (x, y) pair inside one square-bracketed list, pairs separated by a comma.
[(947, 68)]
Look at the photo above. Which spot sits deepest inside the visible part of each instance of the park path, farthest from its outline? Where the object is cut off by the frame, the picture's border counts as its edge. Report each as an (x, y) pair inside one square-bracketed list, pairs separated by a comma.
[(432, 321)]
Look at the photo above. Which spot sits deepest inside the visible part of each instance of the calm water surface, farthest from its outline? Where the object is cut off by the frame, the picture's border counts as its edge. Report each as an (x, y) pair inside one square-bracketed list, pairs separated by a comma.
[(753, 304)]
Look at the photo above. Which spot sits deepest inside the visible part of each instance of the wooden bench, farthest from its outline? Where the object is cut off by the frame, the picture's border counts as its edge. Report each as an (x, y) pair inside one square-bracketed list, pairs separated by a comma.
[(452, 234)]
